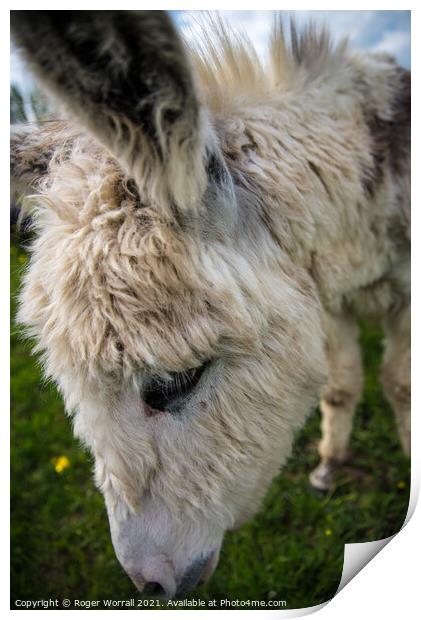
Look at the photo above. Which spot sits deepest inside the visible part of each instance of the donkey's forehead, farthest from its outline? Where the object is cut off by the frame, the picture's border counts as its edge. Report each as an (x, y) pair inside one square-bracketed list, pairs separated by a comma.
[(112, 285)]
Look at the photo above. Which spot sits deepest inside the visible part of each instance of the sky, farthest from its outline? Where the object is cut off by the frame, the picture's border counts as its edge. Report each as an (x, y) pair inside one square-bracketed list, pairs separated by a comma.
[(376, 31)]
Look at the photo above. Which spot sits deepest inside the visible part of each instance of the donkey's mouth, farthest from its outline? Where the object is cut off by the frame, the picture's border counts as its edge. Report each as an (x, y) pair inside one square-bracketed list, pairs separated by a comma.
[(209, 568), (198, 573)]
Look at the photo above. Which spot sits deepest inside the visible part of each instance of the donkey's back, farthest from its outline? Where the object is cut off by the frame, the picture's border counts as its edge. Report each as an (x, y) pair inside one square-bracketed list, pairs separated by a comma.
[(322, 140)]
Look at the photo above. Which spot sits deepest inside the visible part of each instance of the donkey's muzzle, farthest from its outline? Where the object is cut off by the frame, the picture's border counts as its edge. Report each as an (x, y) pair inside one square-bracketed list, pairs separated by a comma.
[(157, 581)]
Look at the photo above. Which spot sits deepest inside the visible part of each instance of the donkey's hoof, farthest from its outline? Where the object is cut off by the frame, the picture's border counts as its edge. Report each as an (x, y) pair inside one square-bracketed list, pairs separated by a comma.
[(322, 477)]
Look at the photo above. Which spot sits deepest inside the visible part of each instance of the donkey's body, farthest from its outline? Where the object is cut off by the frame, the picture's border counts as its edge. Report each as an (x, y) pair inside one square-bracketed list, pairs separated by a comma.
[(238, 231)]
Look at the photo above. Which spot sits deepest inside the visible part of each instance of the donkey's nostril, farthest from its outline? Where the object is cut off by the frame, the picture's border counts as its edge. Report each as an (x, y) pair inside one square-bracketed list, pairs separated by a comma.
[(155, 576), (153, 588)]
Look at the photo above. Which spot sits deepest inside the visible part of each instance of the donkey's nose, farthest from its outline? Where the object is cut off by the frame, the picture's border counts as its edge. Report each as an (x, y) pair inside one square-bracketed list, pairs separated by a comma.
[(154, 589), (161, 589), (155, 578)]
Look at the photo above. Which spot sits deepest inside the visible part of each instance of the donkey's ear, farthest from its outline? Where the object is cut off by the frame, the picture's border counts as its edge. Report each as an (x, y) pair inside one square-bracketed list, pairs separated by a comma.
[(127, 78)]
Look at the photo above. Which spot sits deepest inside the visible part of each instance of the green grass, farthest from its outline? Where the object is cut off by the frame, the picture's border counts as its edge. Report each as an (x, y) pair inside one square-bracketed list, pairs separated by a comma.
[(293, 550)]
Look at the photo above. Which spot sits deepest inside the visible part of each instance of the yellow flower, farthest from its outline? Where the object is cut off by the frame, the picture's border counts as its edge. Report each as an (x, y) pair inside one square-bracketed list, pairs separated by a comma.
[(401, 484), (60, 463), (328, 532)]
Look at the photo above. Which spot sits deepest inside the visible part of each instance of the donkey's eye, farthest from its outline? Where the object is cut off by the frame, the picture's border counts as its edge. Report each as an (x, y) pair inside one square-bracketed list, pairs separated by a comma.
[(164, 395)]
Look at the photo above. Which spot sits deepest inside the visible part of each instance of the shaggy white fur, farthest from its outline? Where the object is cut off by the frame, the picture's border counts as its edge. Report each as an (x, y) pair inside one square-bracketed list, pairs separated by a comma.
[(242, 226)]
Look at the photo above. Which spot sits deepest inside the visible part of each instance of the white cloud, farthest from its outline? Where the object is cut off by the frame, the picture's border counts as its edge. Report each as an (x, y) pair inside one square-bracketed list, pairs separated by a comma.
[(18, 73), (395, 43)]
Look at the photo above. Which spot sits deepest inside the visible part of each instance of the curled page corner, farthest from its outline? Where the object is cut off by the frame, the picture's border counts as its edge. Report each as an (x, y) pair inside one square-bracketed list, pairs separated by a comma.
[(299, 612), (358, 555), (413, 500)]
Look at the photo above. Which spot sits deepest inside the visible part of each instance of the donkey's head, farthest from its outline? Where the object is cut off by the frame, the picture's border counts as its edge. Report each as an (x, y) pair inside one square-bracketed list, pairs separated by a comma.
[(184, 340)]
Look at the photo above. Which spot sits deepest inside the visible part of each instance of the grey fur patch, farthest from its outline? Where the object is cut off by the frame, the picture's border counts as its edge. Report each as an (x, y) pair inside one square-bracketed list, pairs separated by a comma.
[(220, 213), (390, 135), (192, 575), (399, 131)]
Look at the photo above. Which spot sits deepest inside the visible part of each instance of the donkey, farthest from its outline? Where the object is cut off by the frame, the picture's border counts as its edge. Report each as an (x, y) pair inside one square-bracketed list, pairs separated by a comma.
[(207, 233)]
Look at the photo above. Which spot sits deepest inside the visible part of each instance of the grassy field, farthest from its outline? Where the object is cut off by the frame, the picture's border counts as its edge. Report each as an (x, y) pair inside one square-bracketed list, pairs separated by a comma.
[(293, 550)]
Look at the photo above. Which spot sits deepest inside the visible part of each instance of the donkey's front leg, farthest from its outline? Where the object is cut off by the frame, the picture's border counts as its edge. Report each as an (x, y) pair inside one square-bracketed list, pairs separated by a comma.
[(339, 397), (396, 372)]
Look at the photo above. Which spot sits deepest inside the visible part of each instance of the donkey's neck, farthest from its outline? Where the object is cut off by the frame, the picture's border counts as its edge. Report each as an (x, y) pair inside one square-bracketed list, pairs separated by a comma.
[(306, 161)]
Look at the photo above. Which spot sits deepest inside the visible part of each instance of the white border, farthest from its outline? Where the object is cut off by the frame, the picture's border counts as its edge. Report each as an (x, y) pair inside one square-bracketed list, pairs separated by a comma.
[(389, 584)]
